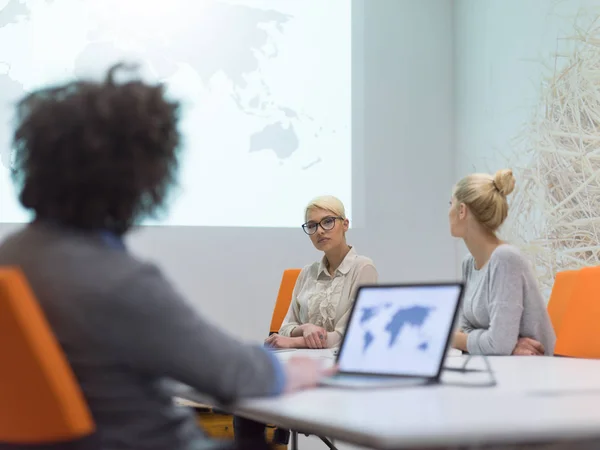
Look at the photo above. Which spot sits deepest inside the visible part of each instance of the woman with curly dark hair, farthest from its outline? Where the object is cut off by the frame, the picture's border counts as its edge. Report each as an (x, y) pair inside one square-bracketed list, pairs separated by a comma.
[(91, 160)]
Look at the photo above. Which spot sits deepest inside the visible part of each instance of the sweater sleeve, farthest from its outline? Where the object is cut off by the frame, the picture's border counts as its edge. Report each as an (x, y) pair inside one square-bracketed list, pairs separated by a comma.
[(463, 323), (153, 330), (505, 305)]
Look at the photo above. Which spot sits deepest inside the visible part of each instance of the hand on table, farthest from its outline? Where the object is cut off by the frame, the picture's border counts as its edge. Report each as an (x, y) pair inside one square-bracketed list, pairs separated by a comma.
[(528, 347), (314, 336), (279, 341), (304, 372)]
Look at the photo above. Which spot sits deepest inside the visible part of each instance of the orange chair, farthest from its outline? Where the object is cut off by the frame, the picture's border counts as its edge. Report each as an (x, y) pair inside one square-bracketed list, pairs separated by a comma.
[(579, 335), (282, 304), (41, 404), (562, 290), (284, 298)]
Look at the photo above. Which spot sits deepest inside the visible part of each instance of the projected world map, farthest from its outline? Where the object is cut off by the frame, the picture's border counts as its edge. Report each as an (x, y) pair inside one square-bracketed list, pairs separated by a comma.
[(206, 60), (235, 64)]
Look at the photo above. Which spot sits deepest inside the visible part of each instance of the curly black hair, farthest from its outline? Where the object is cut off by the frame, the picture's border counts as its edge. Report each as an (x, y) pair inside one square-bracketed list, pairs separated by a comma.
[(96, 155)]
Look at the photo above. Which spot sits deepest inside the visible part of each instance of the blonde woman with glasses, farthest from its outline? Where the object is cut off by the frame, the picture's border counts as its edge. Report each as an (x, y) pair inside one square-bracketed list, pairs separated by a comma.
[(322, 297), (325, 289)]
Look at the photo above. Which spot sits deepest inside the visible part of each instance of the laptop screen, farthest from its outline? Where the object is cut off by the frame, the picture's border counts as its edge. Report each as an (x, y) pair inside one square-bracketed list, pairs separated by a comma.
[(400, 330)]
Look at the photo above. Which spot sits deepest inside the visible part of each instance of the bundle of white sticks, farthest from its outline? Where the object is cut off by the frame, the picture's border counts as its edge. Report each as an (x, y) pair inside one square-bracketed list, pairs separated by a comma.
[(555, 213)]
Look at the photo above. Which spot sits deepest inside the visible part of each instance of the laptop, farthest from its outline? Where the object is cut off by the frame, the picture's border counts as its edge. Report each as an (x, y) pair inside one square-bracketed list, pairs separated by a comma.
[(397, 335)]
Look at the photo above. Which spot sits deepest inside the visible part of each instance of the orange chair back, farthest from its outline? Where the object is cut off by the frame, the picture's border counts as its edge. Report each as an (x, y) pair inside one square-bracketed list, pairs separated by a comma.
[(40, 399), (562, 290), (579, 335), (284, 298)]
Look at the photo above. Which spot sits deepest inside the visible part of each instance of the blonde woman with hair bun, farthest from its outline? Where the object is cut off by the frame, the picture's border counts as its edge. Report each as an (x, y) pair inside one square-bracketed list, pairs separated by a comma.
[(325, 289), (503, 311)]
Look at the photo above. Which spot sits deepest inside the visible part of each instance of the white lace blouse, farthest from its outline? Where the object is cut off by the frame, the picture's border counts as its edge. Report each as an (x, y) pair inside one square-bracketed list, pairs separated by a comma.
[(325, 300)]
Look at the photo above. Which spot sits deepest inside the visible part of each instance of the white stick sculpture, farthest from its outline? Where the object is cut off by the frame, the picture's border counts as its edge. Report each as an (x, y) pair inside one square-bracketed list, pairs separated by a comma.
[(555, 213)]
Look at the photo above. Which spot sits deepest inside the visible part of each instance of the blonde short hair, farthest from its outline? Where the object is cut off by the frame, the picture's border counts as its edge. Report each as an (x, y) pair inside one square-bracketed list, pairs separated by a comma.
[(327, 203), (485, 196)]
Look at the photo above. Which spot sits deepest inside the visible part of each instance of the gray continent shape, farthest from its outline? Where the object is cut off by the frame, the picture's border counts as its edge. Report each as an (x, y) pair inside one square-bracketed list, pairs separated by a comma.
[(14, 11), (282, 140)]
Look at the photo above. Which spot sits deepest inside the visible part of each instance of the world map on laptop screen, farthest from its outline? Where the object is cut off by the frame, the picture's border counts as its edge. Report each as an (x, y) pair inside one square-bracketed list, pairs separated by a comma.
[(400, 330)]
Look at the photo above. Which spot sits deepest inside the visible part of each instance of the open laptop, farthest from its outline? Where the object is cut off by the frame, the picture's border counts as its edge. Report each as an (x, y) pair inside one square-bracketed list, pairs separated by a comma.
[(397, 335)]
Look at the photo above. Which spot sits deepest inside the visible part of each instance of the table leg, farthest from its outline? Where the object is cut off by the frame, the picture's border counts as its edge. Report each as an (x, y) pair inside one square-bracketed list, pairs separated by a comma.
[(294, 436)]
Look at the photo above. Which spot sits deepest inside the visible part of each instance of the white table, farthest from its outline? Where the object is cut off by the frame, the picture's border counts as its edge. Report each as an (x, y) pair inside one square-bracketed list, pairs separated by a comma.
[(536, 399)]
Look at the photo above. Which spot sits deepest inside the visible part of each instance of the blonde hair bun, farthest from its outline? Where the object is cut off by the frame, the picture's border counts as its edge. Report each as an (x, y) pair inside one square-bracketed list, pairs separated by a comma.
[(479, 191), (504, 181)]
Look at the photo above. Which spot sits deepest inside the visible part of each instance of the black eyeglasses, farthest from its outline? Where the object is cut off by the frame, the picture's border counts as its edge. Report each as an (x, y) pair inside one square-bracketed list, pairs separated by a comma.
[(327, 223)]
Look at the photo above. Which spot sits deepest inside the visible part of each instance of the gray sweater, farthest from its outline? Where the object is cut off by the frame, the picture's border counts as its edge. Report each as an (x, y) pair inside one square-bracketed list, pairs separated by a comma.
[(502, 303), (127, 333)]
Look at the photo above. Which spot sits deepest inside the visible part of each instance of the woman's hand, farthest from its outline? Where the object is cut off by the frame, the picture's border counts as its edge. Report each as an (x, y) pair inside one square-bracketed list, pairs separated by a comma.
[(459, 341), (314, 336), (278, 341), (528, 347)]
